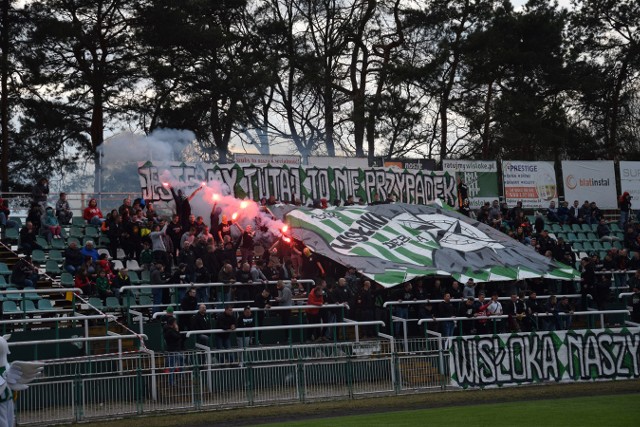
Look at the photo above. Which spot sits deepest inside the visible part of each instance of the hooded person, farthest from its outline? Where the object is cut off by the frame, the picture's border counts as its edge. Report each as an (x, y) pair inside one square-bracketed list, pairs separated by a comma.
[(51, 222)]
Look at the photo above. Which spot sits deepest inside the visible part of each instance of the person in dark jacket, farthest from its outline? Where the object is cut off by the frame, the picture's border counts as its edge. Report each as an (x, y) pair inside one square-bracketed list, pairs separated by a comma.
[(446, 309), (188, 303), (201, 322), (174, 345), (226, 321), (73, 258)]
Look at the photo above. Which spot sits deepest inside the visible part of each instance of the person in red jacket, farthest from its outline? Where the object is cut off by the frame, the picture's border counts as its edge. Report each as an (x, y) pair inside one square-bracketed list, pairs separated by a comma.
[(316, 297), (92, 213)]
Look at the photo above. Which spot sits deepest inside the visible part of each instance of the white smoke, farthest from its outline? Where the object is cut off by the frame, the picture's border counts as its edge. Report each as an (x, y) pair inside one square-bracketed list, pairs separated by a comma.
[(161, 145)]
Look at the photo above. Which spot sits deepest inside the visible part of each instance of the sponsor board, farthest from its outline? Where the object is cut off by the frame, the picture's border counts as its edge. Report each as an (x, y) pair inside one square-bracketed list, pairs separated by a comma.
[(533, 183), (480, 176), (594, 181), (630, 181), (261, 159), (555, 356), (307, 183)]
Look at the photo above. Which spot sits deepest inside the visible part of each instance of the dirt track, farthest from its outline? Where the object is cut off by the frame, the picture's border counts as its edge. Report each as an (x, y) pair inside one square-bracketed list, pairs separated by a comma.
[(281, 413)]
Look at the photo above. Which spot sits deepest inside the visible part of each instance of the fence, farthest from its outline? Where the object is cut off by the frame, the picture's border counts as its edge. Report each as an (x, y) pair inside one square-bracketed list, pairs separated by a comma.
[(146, 382)]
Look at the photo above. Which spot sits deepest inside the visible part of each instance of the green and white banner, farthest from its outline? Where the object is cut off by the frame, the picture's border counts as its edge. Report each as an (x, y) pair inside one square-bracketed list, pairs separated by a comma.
[(286, 182), (480, 176), (557, 356), (393, 243)]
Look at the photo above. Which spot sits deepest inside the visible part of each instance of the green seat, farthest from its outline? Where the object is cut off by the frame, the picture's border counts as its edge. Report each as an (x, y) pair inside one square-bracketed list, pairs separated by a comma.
[(597, 246), (45, 305), (577, 247), (592, 237), (58, 244), (614, 226), (617, 245), (51, 267), (146, 300), (38, 256), (10, 307), (571, 237), (602, 254), (556, 228), (56, 255), (586, 228), (33, 296), (581, 237), (13, 297), (145, 276), (3, 283), (4, 270), (42, 242), (134, 278), (76, 232), (66, 280), (96, 302), (594, 227), (576, 228), (74, 239), (77, 221), (128, 300), (12, 234), (566, 228), (104, 241), (607, 246), (588, 247), (29, 306), (112, 303), (92, 232)]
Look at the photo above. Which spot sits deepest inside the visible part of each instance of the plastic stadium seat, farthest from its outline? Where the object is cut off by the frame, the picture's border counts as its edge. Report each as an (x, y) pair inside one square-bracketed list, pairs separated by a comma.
[(133, 277), (132, 265), (592, 237), (588, 247), (4, 270), (602, 254), (614, 226), (576, 228), (12, 234), (556, 228), (33, 296), (74, 239), (45, 305), (117, 264), (56, 255), (617, 245), (582, 237), (3, 282), (91, 232), (51, 267), (112, 303), (104, 251), (128, 300), (571, 237), (597, 246), (38, 256), (586, 228), (13, 297), (120, 254), (58, 244), (566, 228), (78, 222), (577, 247), (146, 300), (96, 302), (66, 280), (607, 245), (145, 276), (594, 227), (43, 242), (10, 307), (76, 232), (29, 306), (104, 241)]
